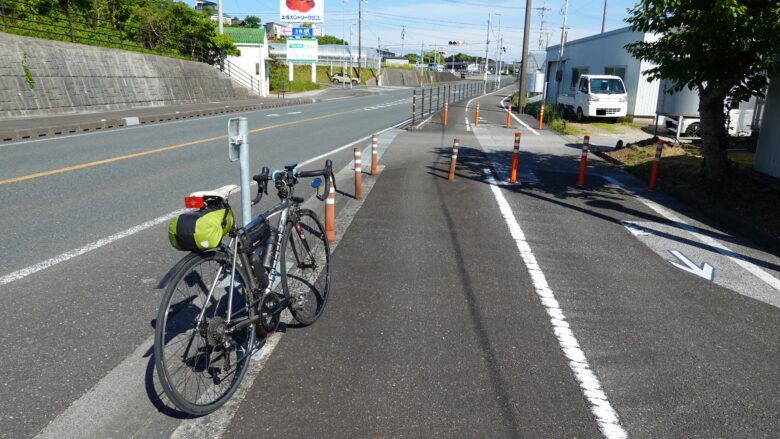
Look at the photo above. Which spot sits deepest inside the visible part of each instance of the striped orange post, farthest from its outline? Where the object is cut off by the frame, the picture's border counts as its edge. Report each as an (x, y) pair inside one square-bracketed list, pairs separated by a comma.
[(446, 111), (509, 116), (583, 160), (656, 165), (330, 213), (358, 174), (453, 159), (541, 116), (476, 117), (374, 148), (515, 159)]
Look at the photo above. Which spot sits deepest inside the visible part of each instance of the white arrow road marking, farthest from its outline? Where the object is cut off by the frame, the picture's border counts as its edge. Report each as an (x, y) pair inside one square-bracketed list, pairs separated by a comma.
[(272, 115), (635, 229), (295, 112), (705, 271)]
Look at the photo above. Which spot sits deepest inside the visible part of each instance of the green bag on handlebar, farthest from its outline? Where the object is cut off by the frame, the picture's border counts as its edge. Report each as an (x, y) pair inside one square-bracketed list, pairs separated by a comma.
[(200, 230)]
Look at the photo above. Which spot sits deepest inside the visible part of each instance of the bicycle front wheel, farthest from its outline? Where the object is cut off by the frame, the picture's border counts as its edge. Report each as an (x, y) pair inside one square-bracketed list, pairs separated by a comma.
[(200, 359), (306, 267)]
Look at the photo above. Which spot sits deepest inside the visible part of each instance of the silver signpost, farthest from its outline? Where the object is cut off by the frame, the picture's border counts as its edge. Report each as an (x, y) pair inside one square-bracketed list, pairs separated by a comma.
[(238, 150)]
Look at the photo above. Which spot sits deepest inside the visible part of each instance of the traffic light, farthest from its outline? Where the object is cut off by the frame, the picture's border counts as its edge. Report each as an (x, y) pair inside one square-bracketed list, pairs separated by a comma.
[(455, 43)]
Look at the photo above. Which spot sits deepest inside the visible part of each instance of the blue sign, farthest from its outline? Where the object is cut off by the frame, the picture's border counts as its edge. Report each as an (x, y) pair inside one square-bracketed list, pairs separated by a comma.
[(303, 32)]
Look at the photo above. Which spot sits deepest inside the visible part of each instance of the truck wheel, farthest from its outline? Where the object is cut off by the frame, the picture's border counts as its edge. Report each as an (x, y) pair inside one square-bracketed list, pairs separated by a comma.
[(335, 81), (693, 130), (354, 83), (580, 116), (562, 111)]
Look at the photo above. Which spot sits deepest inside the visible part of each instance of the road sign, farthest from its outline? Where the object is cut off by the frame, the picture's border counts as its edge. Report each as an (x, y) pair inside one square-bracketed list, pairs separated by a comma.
[(306, 32), (302, 50), (302, 11)]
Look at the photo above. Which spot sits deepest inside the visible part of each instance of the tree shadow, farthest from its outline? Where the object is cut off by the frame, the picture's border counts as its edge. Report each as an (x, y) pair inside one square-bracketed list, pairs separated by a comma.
[(601, 200)]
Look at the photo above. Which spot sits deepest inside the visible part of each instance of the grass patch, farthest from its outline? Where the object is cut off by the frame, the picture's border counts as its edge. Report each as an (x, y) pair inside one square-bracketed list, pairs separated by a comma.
[(743, 200), (607, 127), (630, 124), (553, 119)]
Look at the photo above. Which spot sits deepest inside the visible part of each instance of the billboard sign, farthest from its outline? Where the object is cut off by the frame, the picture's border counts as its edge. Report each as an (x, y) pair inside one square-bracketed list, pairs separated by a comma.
[(303, 50), (302, 11)]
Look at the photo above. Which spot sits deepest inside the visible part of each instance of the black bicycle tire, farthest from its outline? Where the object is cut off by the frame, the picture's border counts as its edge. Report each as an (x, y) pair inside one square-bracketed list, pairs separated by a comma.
[(283, 258), (159, 356)]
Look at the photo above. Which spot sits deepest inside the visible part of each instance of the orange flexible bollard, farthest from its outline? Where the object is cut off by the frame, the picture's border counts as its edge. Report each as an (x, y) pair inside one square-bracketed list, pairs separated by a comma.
[(358, 175), (446, 110), (374, 149), (583, 161), (541, 116), (453, 159), (330, 213), (476, 117), (509, 116), (656, 165), (515, 159)]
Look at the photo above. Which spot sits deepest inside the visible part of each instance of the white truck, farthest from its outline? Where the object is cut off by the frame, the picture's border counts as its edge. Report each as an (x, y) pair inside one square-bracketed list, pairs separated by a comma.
[(601, 96)]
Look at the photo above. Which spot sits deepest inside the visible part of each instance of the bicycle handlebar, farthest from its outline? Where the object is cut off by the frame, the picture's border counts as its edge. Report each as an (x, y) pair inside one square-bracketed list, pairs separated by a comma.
[(266, 175)]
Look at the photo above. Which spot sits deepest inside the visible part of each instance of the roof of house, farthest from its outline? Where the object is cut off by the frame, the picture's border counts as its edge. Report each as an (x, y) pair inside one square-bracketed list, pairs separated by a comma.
[(245, 35)]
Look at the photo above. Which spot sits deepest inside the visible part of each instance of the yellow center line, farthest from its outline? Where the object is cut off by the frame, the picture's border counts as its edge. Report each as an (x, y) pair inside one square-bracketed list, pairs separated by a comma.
[(155, 151)]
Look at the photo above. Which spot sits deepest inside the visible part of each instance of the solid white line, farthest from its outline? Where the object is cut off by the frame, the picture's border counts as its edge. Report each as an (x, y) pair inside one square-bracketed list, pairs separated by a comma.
[(716, 245), (468, 125), (24, 272), (606, 417), (518, 119)]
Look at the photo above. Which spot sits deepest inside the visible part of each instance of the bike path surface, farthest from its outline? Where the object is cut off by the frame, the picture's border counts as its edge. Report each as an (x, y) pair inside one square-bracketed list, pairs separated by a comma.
[(432, 329), (678, 354)]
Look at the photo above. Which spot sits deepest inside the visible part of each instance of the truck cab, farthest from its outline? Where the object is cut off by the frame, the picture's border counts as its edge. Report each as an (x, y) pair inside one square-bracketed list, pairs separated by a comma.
[(599, 96)]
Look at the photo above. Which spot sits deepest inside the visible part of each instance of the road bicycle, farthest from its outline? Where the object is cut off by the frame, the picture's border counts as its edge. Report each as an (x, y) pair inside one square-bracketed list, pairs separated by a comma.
[(219, 300)]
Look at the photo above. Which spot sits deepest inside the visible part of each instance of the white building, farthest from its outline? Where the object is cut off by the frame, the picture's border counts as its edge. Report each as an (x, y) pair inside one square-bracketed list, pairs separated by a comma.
[(202, 4), (767, 159), (604, 54), (278, 30), (253, 60)]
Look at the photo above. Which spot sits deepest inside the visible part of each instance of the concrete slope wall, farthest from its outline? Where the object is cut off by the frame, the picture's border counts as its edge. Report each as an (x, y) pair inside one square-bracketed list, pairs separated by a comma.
[(73, 77), (411, 78)]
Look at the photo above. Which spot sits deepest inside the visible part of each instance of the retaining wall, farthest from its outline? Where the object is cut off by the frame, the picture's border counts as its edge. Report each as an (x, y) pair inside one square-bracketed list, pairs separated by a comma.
[(412, 78), (69, 78)]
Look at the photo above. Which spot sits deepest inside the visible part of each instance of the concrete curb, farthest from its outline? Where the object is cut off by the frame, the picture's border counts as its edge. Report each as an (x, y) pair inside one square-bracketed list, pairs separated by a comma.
[(105, 124)]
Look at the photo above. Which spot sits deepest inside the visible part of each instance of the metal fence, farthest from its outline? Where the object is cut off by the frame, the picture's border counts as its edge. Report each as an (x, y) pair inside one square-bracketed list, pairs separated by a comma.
[(53, 22), (430, 100)]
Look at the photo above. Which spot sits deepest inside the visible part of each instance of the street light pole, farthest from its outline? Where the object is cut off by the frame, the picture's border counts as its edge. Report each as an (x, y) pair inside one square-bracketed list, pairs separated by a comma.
[(219, 13)]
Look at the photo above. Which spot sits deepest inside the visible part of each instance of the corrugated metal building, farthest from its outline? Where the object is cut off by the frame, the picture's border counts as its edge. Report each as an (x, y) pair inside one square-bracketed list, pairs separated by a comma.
[(604, 54), (767, 158)]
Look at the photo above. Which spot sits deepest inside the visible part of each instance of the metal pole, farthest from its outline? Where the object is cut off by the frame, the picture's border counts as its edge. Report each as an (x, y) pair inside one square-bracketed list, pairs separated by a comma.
[(219, 7), (360, 35), (487, 48), (604, 17), (560, 51), (524, 64)]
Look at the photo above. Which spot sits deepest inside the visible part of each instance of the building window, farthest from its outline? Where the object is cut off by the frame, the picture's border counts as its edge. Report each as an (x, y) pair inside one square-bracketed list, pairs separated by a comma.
[(576, 72), (616, 71)]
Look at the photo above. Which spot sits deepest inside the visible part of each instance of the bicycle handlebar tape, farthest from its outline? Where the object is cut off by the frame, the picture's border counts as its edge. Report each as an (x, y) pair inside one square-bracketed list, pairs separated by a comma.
[(330, 211), (656, 165), (453, 159), (476, 117), (509, 115), (515, 159), (446, 111), (374, 151), (541, 115), (583, 161), (358, 174)]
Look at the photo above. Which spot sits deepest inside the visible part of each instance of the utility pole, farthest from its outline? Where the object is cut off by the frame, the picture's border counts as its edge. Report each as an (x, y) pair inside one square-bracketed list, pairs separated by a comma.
[(360, 36), (560, 51), (487, 48), (403, 34), (542, 11), (524, 63), (422, 53), (497, 76), (604, 17)]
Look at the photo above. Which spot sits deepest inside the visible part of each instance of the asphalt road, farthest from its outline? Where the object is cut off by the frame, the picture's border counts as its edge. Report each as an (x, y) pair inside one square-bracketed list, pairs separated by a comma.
[(66, 327)]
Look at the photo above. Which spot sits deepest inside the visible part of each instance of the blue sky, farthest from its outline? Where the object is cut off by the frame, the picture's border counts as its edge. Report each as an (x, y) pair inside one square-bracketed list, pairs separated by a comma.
[(434, 22)]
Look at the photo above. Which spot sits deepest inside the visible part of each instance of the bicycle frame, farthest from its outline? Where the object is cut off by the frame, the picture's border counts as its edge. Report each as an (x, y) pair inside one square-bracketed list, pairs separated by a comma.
[(282, 209)]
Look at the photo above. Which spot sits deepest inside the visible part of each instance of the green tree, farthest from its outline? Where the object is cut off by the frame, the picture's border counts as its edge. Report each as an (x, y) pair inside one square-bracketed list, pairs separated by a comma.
[(330, 39), (252, 21), (460, 57), (723, 49)]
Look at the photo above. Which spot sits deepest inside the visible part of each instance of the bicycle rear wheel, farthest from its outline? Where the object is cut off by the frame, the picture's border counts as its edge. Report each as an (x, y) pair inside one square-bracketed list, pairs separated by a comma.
[(305, 267), (200, 361)]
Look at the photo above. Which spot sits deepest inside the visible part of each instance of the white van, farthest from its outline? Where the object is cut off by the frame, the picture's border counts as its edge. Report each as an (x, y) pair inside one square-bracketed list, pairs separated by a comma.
[(600, 96)]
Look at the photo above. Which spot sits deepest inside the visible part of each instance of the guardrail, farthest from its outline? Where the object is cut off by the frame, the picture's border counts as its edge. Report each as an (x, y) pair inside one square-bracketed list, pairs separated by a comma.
[(429, 100)]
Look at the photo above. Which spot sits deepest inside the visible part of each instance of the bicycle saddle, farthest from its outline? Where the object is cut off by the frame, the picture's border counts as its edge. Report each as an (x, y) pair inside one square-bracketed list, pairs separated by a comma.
[(221, 192)]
